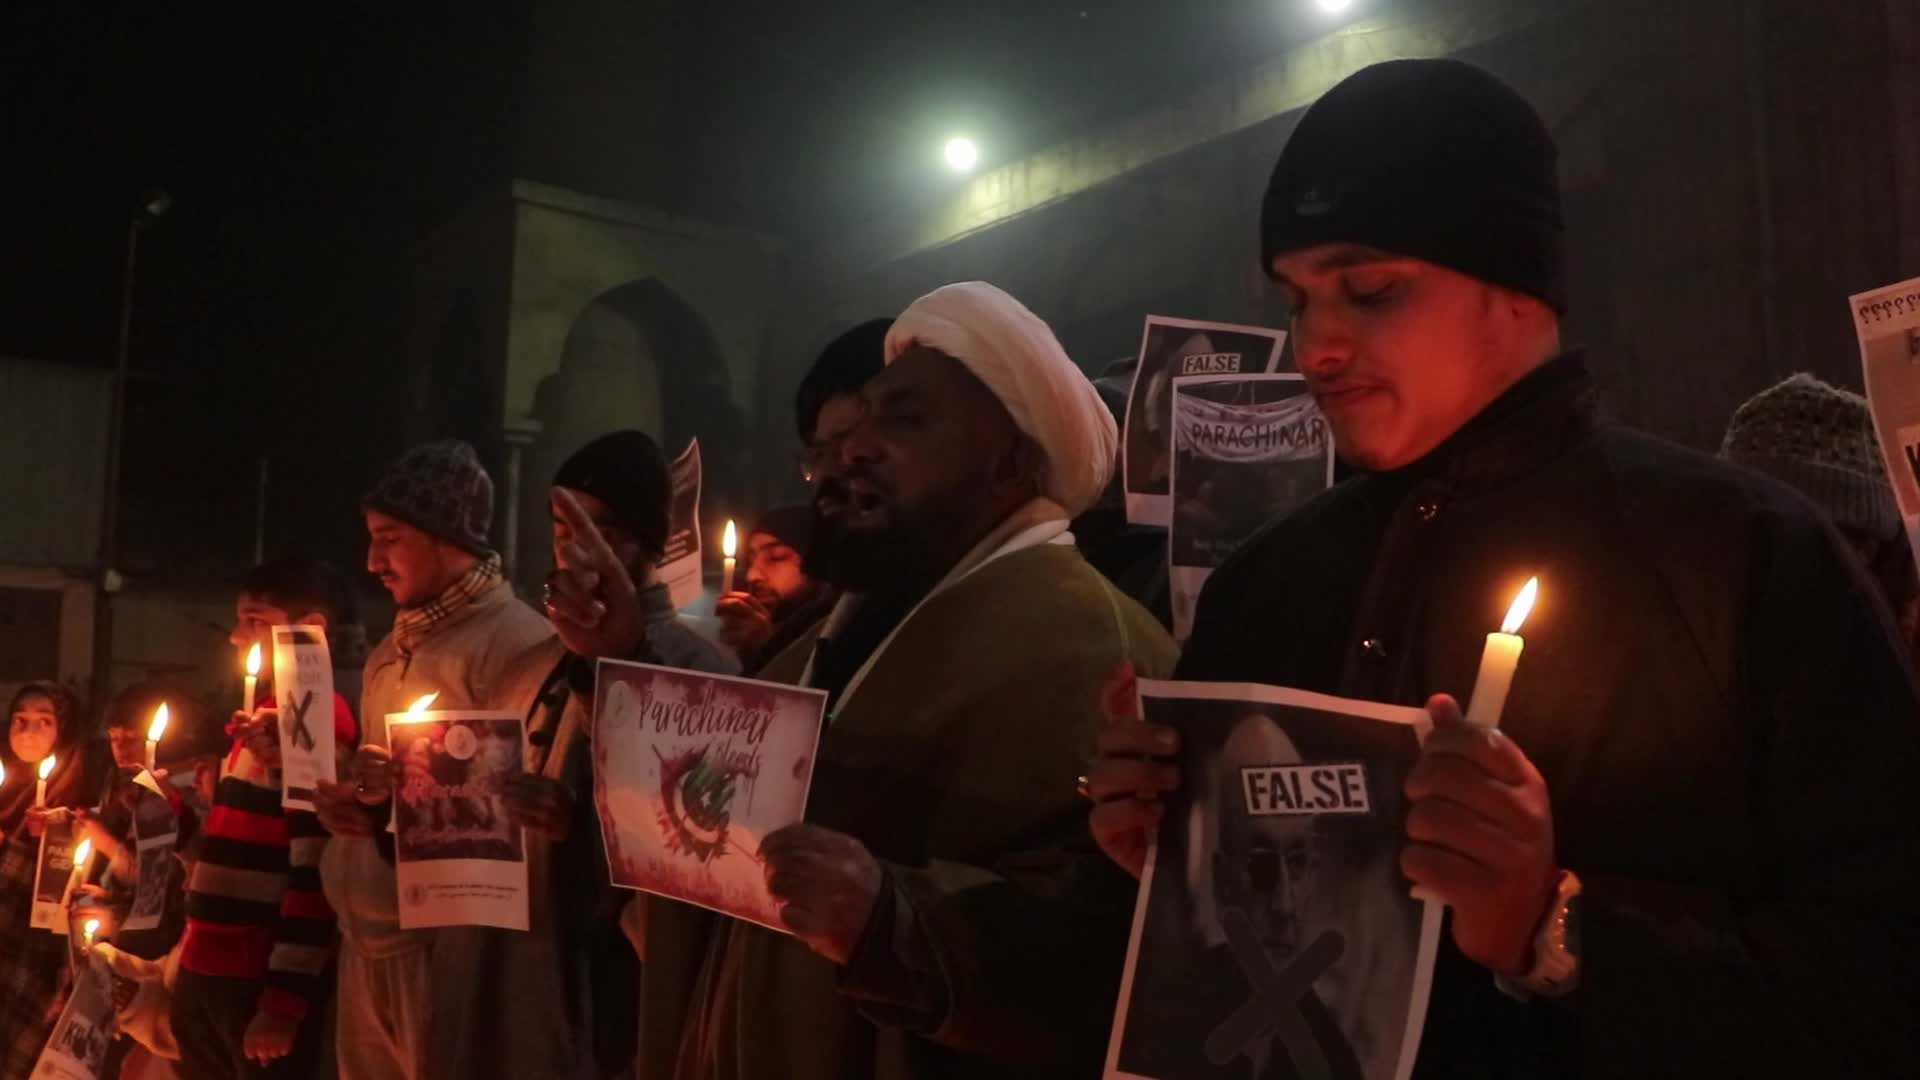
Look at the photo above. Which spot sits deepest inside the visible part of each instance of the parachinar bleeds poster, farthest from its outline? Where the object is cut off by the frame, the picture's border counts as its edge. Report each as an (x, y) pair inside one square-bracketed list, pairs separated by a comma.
[(1246, 449), (1887, 322), (1171, 349), (691, 772), (1275, 936)]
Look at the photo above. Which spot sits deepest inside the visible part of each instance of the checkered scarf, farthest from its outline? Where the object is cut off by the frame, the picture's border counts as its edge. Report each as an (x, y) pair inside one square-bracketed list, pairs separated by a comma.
[(33, 976), (412, 625)]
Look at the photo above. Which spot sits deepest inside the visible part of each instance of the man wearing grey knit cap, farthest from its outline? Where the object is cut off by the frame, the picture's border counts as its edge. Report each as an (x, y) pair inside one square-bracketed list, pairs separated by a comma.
[(1819, 439), (457, 629)]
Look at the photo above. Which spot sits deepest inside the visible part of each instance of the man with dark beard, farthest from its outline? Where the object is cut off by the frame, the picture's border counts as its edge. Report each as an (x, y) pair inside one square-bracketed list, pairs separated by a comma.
[(950, 917), (781, 598)]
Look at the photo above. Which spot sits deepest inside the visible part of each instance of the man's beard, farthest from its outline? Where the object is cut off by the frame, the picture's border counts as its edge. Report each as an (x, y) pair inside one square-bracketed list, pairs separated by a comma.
[(893, 557)]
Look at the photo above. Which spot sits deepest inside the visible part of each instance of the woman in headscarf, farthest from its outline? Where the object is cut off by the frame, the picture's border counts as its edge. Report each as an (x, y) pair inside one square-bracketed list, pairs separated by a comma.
[(43, 721)]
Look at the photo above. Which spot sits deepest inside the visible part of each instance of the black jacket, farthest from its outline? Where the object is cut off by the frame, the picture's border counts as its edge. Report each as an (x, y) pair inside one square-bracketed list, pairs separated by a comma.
[(1730, 736)]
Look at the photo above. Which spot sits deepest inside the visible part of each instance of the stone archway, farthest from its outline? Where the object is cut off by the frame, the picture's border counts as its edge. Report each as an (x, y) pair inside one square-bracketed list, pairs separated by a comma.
[(637, 356)]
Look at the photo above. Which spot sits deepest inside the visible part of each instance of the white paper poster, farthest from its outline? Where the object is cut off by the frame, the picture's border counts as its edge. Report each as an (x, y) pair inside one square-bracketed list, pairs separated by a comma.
[(53, 875), (1887, 322), (1247, 449), (77, 1049), (1172, 349), (155, 834), (459, 858), (680, 566), (691, 772), (1275, 935), (303, 693)]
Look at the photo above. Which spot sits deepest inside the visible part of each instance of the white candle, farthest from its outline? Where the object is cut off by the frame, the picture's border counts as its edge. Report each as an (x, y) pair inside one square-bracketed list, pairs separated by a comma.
[(1499, 661), (91, 928), (154, 731), (729, 547), (40, 789), (82, 855), (253, 679)]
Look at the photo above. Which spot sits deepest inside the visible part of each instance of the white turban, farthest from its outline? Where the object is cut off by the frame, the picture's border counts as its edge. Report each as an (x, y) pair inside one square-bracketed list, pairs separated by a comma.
[(1016, 355)]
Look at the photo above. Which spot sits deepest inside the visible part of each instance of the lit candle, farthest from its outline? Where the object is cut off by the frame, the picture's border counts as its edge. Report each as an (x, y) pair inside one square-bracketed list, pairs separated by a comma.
[(1497, 665), (729, 547), (1498, 662), (154, 731), (40, 789), (90, 928), (253, 679), (419, 708), (82, 855)]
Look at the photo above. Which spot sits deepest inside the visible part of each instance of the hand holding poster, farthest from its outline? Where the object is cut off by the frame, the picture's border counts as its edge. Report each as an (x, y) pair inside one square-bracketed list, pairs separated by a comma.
[(303, 694), (53, 874), (680, 566), (77, 1049), (1887, 322), (691, 772), (459, 858), (1172, 349), (1275, 936), (1246, 449)]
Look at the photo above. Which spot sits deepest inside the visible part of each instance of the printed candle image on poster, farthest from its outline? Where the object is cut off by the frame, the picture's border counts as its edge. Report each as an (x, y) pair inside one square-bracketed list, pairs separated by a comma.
[(691, 772), (1247, 449), (1172, 349), (460, 859), (1276, 937), (680, 565)]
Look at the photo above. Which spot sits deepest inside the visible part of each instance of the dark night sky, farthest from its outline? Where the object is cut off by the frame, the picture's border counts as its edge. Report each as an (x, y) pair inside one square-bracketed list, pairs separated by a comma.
[(308, 149)]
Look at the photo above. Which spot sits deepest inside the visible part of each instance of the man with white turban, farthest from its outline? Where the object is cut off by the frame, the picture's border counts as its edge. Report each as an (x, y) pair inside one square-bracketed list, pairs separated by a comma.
[(950, 915)]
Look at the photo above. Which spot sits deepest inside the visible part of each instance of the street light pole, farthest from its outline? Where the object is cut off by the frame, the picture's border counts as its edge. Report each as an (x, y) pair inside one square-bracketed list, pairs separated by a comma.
[(153, 205)]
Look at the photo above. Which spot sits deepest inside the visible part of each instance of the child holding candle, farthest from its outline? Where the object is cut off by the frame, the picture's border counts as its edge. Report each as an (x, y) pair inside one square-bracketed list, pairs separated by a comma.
[(43, 722), (259, 933)]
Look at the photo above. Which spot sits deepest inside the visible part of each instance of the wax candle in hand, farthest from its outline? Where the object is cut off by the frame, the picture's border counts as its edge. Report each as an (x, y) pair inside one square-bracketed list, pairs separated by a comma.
[(1497, 665), (1499, 661), (82, 855), (154, 731), (40, 789), (253, 679), (729, 547)]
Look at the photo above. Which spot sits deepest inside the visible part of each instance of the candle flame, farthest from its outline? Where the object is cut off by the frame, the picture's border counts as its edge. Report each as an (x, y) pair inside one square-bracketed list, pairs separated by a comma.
[(729, 541), (159, 725), (46, 767), (82, 853), (1522, 607), (421, 706), (253, 659), (91, 928)]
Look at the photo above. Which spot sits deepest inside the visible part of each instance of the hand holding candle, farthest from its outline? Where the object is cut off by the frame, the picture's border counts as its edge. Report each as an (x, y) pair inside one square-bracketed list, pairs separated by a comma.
[(729, 547), (154, 731), (1498, 662)]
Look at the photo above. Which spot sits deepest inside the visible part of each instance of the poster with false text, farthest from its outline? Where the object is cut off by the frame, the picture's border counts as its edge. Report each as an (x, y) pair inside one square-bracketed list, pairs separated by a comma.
[(680, 566), (1172, 349), (1274, 936), (1887, 322)]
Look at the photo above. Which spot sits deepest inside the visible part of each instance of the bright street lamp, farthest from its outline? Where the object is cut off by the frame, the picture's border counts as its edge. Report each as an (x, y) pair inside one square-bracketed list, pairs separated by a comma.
[(961, 154), (1334, 7)]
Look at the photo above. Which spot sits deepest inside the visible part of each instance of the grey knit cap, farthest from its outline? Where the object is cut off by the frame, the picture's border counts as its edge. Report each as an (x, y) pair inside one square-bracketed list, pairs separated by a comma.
[(1819, 439), (441, 489)]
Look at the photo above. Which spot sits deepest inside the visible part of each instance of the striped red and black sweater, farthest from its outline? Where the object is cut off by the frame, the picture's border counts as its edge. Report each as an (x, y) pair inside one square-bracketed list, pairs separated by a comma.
[(254, 906)]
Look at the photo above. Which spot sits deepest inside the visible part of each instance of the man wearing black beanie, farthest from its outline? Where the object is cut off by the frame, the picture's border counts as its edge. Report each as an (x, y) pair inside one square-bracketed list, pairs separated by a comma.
[(1686, 849), (573, 975)]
